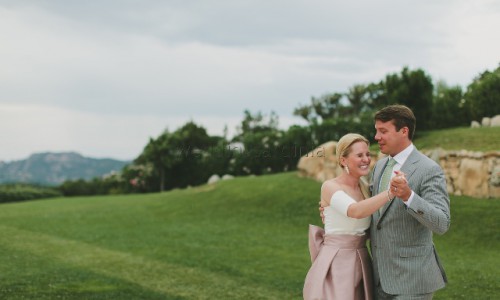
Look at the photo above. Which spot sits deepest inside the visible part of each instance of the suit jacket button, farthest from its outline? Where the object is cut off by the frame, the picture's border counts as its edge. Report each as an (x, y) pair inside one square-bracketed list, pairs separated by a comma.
[(378, 227), (420, 212)]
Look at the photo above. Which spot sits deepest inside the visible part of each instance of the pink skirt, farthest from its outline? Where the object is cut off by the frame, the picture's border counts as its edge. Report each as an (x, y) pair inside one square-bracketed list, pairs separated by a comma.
[(341, 267)]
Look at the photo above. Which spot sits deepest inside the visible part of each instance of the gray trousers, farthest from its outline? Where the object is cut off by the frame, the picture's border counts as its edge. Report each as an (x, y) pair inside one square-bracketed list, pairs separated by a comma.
[(381, 295)]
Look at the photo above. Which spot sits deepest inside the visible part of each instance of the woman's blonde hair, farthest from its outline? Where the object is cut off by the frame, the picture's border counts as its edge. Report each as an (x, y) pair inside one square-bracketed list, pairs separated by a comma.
[(344, 148), (344, 145)]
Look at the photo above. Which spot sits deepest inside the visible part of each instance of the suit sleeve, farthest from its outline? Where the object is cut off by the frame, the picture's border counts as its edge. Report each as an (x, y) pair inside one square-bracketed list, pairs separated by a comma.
[(431, 203)]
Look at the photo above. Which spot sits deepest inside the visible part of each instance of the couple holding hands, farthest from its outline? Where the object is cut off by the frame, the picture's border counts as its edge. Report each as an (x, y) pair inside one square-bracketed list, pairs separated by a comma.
[(398, 213)]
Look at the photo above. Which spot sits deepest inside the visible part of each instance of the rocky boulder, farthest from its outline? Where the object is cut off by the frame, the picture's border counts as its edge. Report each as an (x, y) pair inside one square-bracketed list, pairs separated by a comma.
[(495, 121)]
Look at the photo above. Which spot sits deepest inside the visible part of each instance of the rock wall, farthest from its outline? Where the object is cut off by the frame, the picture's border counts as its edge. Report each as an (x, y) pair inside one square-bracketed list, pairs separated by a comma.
[(487, 122), (474, 174), (468, 173)]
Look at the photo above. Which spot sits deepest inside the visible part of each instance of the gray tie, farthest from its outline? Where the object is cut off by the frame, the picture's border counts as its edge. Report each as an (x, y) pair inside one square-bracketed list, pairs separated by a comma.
[(386, 177)]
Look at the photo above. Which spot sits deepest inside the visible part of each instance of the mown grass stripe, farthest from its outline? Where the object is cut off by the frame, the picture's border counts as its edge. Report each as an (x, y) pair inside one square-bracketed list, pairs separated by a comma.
[(154, 275)]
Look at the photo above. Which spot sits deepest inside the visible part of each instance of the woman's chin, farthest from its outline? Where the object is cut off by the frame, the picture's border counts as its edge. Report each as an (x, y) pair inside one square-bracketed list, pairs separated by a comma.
[(363, 172)]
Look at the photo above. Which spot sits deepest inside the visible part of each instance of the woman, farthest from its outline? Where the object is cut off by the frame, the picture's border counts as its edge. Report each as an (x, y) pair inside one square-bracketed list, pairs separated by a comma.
[(341, 266)]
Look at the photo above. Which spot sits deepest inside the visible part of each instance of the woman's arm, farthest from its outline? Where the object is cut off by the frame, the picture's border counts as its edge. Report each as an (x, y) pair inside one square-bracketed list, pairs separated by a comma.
[(367, 207)]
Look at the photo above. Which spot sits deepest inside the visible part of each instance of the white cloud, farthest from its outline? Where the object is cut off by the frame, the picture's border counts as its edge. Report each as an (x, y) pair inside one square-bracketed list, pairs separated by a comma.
[(104, 66), (28, 129)]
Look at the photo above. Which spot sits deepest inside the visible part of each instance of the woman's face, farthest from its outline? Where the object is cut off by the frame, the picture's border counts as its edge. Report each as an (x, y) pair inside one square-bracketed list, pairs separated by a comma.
[(358, 159)]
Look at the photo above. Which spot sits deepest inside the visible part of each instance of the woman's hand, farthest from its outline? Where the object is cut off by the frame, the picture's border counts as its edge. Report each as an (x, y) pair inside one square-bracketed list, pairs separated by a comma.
[(399, 186)]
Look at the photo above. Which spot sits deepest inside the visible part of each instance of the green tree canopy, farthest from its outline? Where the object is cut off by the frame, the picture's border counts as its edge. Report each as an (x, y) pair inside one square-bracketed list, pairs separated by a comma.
[(483, 95), (413, 89), (449, 106)]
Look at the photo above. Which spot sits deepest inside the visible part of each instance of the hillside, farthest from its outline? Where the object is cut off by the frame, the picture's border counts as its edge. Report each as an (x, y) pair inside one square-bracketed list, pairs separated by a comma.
[(244, 238), (54, 168), (473, 139)]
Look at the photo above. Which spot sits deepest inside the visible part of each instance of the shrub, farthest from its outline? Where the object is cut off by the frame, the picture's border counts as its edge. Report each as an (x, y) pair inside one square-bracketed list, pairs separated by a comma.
[(23, 192)]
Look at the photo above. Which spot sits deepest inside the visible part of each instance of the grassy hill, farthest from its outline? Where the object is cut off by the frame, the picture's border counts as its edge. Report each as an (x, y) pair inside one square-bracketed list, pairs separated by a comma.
[(244, 238), (473, 139)]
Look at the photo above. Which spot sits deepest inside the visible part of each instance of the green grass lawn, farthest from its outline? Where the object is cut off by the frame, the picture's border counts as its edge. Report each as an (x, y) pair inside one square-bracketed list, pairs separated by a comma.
[(473, 139), (244, 238)]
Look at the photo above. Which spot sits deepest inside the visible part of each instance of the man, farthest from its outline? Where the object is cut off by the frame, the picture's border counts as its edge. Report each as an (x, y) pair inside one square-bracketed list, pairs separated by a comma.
[(405, 263)]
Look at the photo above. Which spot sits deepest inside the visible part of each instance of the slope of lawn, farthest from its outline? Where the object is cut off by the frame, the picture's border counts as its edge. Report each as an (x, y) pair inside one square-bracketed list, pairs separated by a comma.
[(244, 238), (473, 139)]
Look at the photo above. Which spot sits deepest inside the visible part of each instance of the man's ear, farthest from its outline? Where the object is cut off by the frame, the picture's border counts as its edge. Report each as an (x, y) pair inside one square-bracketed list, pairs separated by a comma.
[(405, 130)]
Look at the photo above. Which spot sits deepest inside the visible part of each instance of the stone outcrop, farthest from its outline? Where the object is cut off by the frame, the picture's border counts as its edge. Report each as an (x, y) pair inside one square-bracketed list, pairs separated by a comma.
[(216, 178), (495, 121), (468, 173), (227, 177), (213, 179), (320, 163), (487, 122), (475, 124)]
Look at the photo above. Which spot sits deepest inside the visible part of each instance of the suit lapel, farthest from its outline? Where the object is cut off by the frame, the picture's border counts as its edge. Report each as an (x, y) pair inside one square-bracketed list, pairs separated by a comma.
[(410, 164), (377, 173), (408, 168), (379, 167)]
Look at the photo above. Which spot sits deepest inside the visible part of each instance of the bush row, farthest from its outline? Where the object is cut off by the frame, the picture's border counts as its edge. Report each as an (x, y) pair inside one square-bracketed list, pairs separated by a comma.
[(23, 192)]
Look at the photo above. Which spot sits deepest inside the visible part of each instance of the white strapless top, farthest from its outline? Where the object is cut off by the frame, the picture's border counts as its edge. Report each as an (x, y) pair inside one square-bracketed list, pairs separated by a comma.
[(336, 219)]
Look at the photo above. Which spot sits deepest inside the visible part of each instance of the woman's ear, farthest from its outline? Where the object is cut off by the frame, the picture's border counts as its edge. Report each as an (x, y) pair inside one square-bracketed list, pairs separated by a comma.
[(342, 162)]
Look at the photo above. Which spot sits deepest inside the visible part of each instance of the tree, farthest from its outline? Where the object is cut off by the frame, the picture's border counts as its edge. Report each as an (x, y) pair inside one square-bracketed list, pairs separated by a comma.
[(359, 100), (323, 108), (413, 89), (305, 112), (376, 95), (178, 159), (448, 107), (260, 150), (192, 146), (482, 97), (257, 122), (154, 154)]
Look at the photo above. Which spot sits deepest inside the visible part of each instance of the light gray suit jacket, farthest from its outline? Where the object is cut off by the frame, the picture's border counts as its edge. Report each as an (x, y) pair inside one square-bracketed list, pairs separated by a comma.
[(404, 258)]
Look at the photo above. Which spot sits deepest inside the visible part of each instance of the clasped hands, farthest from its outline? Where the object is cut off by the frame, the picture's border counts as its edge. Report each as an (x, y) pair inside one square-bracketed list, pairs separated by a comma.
[(399, 186)]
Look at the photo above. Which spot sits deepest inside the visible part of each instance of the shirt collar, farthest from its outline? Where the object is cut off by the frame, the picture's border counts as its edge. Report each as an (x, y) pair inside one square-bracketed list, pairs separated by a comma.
[(403, 155)]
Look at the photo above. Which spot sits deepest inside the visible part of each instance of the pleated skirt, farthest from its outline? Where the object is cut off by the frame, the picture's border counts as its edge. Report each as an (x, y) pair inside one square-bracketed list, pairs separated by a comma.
[(341, 267)]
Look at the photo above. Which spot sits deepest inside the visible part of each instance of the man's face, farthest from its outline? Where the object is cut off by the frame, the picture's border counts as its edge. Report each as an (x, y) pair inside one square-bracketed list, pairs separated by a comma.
[(391, 142)]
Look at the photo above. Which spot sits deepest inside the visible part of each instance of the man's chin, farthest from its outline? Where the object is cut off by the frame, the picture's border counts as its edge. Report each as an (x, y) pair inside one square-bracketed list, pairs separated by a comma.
[(382, 149)]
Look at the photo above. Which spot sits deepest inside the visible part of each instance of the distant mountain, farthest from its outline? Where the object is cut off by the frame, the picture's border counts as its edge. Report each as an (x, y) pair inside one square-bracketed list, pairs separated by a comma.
[(55, 168)]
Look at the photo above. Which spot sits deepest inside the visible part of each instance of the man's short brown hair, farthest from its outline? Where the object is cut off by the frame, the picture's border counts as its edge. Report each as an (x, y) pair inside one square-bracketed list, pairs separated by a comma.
[(400, 115)]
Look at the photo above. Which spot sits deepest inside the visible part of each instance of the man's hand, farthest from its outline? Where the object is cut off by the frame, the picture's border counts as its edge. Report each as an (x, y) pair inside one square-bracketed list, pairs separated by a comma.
[(321, 209), (399, 186)]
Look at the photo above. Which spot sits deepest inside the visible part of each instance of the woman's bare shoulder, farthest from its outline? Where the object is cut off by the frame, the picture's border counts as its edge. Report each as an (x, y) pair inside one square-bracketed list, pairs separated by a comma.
[(328, 188)]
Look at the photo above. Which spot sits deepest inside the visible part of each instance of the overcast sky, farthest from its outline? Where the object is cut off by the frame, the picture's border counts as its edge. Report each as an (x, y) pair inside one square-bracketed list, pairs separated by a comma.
[(102, 77)]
